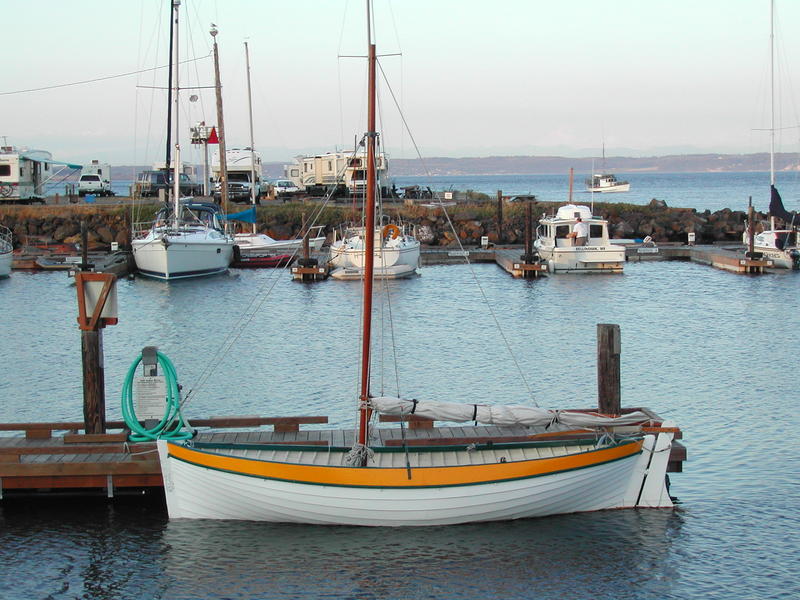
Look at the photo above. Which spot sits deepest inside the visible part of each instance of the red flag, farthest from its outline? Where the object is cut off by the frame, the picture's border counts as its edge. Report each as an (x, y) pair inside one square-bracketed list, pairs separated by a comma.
[(212, 138)]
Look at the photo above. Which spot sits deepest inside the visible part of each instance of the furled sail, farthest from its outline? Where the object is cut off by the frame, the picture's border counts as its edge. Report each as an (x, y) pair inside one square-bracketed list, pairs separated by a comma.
[(500, 414), (776, 208)]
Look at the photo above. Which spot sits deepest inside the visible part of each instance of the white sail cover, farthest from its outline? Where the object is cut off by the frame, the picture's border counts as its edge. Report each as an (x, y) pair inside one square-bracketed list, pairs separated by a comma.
[(500, 415)]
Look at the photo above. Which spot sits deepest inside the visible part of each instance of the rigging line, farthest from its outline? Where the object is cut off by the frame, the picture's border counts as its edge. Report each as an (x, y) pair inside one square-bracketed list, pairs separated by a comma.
[(107, 77), (252, 309), (460, 245)]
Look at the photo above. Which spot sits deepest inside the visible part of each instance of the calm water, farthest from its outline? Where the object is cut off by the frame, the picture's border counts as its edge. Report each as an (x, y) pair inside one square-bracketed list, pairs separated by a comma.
[(714, 351), (703, 191)]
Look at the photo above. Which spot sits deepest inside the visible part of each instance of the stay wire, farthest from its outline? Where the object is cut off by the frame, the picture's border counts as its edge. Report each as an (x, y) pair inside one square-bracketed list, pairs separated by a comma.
[(460, 245)]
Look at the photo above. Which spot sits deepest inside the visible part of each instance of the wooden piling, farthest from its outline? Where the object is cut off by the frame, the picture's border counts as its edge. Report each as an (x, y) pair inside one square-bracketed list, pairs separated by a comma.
[(608, 369), (94, 394), (499, 215)]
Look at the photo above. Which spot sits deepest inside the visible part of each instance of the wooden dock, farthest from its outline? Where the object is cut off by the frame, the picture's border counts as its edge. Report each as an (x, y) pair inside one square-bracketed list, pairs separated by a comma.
[(511, 262), (36, 461)]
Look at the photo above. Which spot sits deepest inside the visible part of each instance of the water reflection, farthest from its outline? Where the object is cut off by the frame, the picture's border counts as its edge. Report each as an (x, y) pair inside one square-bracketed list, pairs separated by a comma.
[(578, 556)]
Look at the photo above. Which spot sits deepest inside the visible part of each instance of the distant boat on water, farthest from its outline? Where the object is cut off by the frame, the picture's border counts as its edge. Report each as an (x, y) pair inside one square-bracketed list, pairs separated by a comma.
[(606, 182)]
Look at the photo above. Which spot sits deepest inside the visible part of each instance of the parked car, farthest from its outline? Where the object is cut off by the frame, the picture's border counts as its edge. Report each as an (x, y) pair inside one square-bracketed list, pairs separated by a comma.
[(284, 187), (150, 182)]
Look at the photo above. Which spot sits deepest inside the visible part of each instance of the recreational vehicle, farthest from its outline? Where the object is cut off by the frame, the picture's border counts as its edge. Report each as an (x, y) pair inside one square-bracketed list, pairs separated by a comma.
[(24, 173), (95, 179), (342, 172), (240, 165)]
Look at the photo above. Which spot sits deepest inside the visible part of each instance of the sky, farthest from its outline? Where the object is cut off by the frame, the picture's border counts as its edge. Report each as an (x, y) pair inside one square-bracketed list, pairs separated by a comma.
[(470, 77)]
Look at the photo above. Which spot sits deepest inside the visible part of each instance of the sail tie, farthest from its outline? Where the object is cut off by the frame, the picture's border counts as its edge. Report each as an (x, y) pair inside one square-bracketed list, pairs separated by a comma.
[(359, 455)]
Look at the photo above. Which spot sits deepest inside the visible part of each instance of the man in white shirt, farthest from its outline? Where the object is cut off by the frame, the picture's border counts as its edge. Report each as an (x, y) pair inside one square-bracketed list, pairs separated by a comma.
[(580, 232)]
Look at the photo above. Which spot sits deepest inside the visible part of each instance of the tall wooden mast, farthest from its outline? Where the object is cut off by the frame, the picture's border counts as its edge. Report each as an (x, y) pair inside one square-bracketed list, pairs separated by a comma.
[(369, 242)]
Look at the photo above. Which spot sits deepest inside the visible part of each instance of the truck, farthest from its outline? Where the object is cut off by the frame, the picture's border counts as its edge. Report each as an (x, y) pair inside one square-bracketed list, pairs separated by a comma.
[(25, 172), (95, 179), (339, 173), (150, 183), (239, 165)]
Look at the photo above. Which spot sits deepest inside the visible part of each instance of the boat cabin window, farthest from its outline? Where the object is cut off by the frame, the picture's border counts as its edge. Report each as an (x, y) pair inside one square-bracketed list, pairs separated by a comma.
[(562, 231), (595, 231), (5, 170)]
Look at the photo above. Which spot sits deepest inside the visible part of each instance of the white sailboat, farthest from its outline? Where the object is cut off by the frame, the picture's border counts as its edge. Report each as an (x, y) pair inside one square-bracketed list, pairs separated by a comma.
[(396, 253), (6, 251), (252, 242), (418, 485), (187, 239), (780, 245)]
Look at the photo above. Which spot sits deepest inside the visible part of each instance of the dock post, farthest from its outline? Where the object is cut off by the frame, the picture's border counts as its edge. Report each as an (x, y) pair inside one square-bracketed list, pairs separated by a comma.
[(608, 369), (94, 386), (499, 215)]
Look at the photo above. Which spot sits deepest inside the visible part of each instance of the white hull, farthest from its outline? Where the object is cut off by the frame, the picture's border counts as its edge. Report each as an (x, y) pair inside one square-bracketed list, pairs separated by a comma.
[(257, 243), (625, 187), (198, 492), (181, 256), (782, 259), (6, 251), (5, 263), (408, 254), (393, 272), (586, 259)]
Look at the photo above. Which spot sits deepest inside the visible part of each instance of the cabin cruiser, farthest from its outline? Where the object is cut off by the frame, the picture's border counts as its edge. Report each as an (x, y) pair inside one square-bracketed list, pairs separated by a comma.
[(557, 243), (606, 182)]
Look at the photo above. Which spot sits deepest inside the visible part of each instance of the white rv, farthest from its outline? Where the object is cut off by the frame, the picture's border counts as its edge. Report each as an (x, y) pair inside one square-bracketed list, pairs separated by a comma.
[(95, 179), (24, 173), (341, 171), (239, 164)]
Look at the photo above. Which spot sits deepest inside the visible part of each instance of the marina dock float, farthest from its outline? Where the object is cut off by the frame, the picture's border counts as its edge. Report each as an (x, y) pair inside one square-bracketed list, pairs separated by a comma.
[(37, 462), (729, 257), (511, 261)]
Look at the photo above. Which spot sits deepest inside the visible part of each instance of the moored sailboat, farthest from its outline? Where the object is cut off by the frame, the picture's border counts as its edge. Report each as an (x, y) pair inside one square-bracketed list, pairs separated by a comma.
[(186, 239), (780, 245), (364, 484), (6, 251)]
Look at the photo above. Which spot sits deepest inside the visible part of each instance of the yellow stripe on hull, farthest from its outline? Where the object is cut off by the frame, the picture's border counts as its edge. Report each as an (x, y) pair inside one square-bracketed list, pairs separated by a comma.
[(397, 477)]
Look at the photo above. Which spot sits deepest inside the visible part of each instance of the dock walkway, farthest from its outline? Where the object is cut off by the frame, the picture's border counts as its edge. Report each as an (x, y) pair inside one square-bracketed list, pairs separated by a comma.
[(41, 463)]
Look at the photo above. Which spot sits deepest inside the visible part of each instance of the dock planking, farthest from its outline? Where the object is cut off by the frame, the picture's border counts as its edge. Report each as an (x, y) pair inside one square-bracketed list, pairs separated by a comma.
[(108, 465)]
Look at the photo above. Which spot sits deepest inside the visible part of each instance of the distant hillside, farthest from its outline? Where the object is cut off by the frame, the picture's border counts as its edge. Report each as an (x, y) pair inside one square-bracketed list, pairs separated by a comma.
[(532, 165), (527, 165)]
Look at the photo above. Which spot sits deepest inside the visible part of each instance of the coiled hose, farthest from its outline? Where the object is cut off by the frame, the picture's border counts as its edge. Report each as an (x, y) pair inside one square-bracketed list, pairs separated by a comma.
[(171, 426)]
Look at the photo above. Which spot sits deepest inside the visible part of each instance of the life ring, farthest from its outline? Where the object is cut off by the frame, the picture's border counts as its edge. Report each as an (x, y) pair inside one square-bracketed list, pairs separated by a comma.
[(6, 190), (391, 228)]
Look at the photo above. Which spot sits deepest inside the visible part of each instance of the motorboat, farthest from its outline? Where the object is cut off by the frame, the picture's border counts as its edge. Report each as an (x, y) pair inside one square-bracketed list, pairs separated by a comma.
[(606, 182), (556, 243), (259, 243)]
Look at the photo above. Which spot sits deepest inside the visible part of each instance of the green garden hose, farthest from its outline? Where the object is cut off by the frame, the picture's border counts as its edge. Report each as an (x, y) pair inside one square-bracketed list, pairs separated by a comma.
[(172, 425)]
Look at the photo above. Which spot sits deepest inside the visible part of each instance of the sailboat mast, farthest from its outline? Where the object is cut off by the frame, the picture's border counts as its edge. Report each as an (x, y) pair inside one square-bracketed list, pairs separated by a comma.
[(253, 191), (772, 92), (176, 184), (169, 91), (223, 160), (369, 245)]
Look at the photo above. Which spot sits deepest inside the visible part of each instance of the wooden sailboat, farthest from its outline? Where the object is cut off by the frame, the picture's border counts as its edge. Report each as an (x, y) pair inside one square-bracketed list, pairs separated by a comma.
[(418, 485)]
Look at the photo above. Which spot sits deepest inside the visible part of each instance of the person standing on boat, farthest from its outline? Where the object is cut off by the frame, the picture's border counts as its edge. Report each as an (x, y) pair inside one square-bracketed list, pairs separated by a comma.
[(580, 231)]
